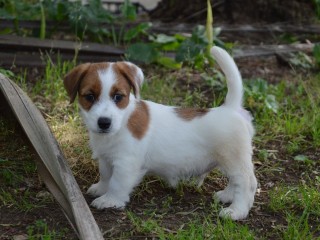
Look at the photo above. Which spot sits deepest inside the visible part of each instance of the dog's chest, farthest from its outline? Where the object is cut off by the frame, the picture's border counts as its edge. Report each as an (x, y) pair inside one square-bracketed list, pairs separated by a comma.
[(105, 147)]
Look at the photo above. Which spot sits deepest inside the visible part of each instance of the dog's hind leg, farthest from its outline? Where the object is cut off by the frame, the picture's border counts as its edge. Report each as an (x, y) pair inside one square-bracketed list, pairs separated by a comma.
[(241, 188)]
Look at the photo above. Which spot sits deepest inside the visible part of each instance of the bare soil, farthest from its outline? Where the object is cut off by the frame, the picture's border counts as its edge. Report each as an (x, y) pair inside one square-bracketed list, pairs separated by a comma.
[(173, 207)]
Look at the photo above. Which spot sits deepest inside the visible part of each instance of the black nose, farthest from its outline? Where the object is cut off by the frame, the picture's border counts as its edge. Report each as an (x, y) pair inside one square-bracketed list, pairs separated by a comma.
[(104, 123)]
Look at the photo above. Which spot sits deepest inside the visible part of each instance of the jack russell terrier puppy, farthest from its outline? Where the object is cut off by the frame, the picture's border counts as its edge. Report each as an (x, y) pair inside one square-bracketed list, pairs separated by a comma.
[(132, 137)]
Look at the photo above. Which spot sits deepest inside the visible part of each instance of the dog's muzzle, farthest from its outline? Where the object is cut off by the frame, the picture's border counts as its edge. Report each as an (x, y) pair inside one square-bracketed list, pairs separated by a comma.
[(104, 124)]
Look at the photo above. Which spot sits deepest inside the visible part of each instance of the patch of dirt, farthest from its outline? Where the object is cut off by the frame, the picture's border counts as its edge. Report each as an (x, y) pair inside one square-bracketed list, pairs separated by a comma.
[(152, 198), (174, 208)]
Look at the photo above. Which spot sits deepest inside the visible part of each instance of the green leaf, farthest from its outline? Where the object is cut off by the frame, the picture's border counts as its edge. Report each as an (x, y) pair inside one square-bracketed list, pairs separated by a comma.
[(61, 11), (316, 53), (188, 51), (209, 28), (180, 37), (272, 103), (199, 35), (136, 31), (172, 46), (167, 43), (169, 63), (142, 52), (301, 158), (6, 31), (304, 159), (163, 38), (43, 22), (128, 11)]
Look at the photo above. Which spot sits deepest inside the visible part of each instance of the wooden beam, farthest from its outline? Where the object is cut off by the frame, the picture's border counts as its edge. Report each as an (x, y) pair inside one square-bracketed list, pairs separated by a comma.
[(52, 166), (268, 50), (16, 43)]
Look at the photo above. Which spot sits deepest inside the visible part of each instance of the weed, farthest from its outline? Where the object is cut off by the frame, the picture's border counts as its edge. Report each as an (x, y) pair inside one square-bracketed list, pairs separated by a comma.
[(206, 229), (301, 60), (148, 226), (316, 50), (21, 199), (298, 227), (286, 118), (51, 86), (7, 73), (300, 198), (193, 51), (40, 230)]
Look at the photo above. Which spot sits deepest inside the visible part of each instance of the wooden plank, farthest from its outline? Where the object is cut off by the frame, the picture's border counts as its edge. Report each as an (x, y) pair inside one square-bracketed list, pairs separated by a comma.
[(174, 28), (16, 43), (268, 50), (32, 56), (33, 24), (35, 59), (52, 165)]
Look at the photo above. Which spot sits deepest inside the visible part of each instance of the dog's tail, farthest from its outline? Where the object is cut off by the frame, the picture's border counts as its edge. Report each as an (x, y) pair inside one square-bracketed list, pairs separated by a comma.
[(234, 80)]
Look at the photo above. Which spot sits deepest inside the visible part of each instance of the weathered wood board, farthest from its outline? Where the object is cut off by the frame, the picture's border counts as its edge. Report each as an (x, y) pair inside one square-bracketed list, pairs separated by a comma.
[(29, 52), (52, 165)]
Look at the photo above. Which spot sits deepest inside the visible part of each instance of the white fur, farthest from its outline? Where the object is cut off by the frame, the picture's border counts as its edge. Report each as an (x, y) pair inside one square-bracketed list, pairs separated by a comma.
[(173, 148)]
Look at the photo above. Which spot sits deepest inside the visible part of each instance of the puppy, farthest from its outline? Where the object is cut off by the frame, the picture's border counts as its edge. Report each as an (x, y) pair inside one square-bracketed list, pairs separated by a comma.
[(132, 137)]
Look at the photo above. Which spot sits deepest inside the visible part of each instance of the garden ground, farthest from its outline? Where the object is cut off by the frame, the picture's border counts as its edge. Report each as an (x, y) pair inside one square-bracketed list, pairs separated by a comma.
[(284, 100)]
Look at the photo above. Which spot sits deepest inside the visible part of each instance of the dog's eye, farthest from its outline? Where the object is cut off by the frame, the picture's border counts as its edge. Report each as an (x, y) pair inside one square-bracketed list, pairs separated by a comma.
[(117, 98), (89, 98)]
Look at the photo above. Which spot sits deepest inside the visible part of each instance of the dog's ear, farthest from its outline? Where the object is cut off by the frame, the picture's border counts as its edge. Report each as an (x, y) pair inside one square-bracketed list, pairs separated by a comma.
[(133, 74), (73, 79)]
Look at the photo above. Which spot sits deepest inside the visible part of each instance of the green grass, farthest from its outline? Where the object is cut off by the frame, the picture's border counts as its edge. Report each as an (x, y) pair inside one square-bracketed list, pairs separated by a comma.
[(20, 199), (286, 116), (291, 114), (40, 231), (51, 84), (298, 198), (200, 227), (17, 171)]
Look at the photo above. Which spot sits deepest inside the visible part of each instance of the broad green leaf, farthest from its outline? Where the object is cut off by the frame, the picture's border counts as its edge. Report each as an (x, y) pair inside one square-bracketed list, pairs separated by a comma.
[(169, 63), (136, 31), (163, 38), (142, 52), (172, 46), (301, 158), (188, 51)]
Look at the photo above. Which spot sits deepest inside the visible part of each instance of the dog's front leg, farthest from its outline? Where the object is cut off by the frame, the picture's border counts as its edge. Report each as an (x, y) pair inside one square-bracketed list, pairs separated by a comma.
[(101, 187), (125, 176)]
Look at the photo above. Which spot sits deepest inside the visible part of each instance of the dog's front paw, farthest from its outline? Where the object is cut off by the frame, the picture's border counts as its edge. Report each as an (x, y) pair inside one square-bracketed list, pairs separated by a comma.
[(97, 189), (107, 201)]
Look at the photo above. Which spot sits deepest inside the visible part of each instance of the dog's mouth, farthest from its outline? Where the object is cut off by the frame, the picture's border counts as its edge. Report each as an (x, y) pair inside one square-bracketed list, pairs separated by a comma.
[(102, 131)]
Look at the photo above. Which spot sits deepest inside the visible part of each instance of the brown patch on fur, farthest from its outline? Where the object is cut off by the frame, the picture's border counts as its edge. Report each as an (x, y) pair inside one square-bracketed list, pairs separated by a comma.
[(84, 80), (138, 122), (189, 114), (72, 80), (127, 72), (122, 88)]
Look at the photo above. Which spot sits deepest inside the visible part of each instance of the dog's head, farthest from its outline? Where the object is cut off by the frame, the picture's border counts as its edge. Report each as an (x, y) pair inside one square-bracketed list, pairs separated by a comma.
[(105, 93)]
